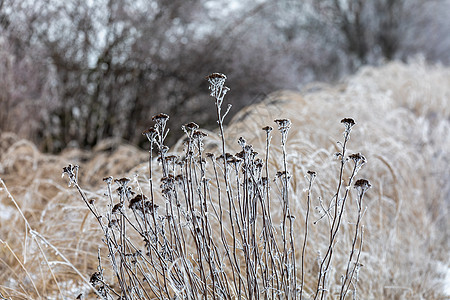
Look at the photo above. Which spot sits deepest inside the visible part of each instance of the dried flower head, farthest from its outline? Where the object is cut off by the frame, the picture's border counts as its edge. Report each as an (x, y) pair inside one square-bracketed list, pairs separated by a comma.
[(283, 126), (283, 174), (96, 278), (117, 208), (362, 185), (242, 142), (72, 172), (312, 175), (198, 134), (151, 134), (216, 78), (108, 179), (191, 126), (216, 85), (160, 118), (348, 123), (122, 181), (134, 203), (358, 159), (267, 129)]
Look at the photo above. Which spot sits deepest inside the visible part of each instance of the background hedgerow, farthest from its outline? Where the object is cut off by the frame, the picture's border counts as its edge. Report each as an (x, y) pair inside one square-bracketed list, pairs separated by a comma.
[(77, 72), (404, 138)]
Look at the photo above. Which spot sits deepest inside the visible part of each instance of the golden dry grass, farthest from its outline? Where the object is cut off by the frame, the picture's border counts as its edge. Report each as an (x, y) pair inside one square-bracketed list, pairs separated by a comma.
[(403, 129)]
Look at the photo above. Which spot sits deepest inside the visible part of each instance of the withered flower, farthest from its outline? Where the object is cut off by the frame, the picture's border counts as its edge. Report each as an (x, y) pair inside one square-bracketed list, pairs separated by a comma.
[(96, 278), (358, 159), (108, 179), (122, 181), (348, 123), (160, 118), (242, 142), (216, 85), (117, 208), (151, 134), (136, 202), (199, 135), (216, 78), (191, 126), (267, 129), (362, 185), (72, 172), (311, 173), (283, 126)]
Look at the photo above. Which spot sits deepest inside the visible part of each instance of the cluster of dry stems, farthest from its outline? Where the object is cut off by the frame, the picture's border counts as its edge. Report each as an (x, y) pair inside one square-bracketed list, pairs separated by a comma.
[(210, 230)]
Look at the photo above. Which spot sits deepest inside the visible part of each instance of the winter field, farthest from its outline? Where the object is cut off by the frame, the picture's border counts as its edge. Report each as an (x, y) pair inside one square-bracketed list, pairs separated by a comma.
[(50, 239)]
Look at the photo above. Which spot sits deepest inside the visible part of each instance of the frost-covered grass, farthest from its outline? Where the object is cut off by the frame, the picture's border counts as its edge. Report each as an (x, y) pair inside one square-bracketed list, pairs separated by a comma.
[(403, 131)]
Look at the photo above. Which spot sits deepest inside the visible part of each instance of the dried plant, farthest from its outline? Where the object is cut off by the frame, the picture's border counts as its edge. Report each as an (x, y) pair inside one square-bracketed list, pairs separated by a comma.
[(209, 231)]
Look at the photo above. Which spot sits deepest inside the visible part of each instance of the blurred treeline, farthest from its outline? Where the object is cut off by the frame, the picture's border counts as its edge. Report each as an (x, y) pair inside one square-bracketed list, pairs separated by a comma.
[(74, 72)]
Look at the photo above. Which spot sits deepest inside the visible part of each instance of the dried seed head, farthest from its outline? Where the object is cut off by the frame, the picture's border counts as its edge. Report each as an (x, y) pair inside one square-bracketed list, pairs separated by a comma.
[(216, 76), (122, 181), (171, 159), (160, 118), (358, 159), (199, 135), (151, 134), (283, 126), (179, 178), (108, 179), (191, 126), (216, 85), (282, 174), (72, 172), (267, 129), (227, 155), (96, 278), (242, 142), (160, 123), (362, 185), (348, 123), (311, 173), (136, 202), (117, 208)]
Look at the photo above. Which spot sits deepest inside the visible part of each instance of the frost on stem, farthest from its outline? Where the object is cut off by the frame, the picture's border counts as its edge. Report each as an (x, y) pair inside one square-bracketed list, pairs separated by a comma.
[(189, 128), (216, 86), (283, 126), (151, 134), (72, 172)]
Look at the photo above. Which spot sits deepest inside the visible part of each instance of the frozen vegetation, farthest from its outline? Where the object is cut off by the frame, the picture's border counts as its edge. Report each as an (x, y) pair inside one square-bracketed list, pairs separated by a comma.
[(51, 243)]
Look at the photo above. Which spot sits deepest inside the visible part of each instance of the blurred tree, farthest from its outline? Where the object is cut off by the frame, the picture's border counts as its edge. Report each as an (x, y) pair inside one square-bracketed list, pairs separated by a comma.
[(76, 71)]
